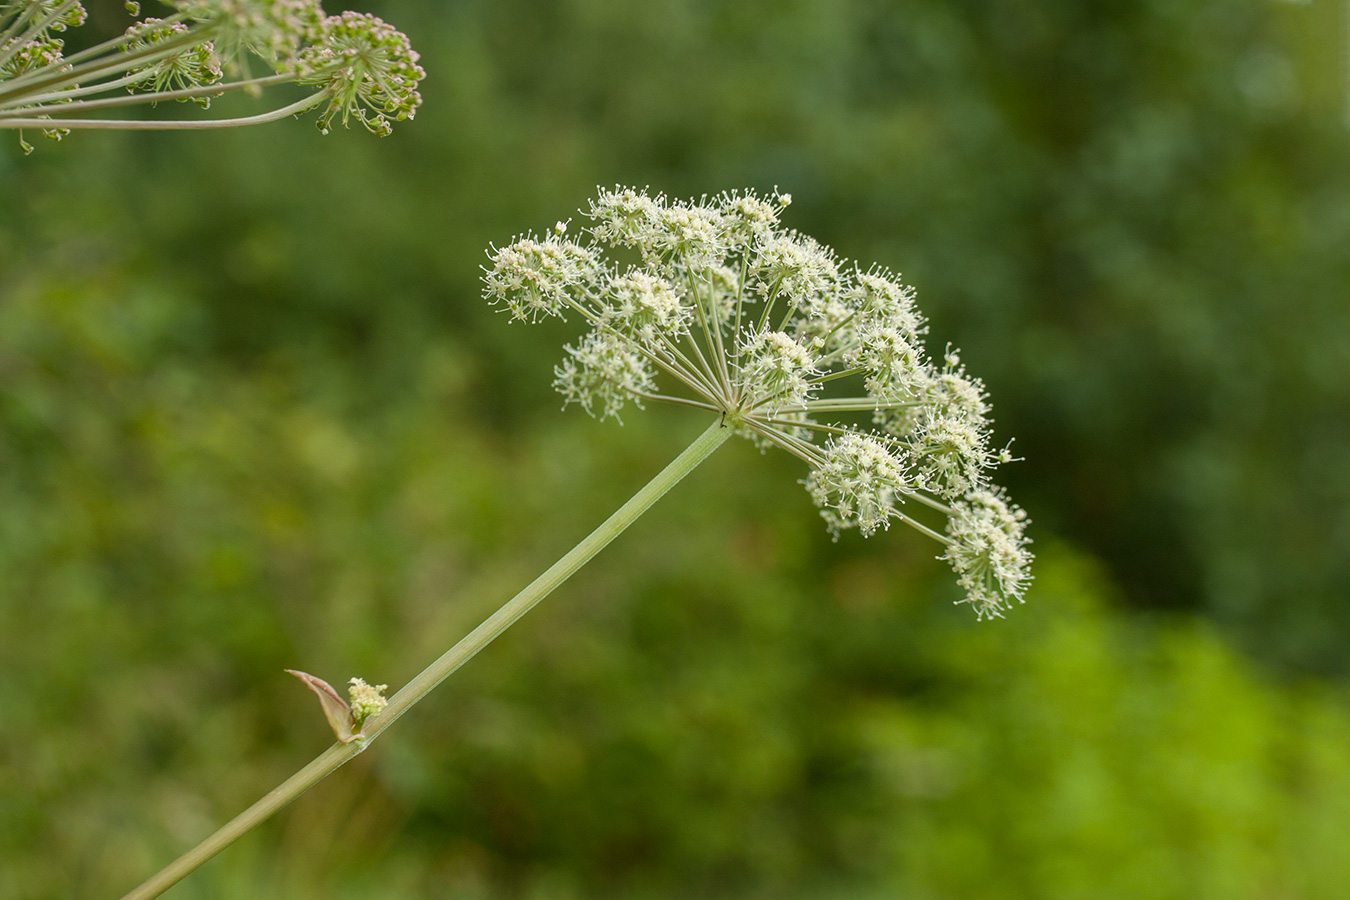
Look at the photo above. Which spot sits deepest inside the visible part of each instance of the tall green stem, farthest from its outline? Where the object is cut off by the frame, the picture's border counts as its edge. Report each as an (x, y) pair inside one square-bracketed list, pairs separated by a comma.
[(331, 759)]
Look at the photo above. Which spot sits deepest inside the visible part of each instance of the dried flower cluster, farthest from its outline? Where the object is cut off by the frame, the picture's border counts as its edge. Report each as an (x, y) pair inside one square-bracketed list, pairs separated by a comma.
[(795, 348), (363, 68)]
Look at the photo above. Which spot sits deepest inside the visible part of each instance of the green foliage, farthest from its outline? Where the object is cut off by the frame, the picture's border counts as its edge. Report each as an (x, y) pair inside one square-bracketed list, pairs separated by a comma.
[(723, 704), (254, 414), (1129, 216)]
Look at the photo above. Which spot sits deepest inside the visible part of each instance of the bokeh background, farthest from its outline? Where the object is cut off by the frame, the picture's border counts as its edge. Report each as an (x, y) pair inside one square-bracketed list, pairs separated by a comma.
[(254, 415)]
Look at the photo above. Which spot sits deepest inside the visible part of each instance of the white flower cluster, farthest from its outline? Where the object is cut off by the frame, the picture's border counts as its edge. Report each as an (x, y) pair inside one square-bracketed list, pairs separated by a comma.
[(988, 549), (366, 700), (767, 328)]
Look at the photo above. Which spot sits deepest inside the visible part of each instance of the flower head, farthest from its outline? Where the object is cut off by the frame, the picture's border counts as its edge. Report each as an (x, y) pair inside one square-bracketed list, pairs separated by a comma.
[(989, 550), (366, 700), (190, 66), (272, 29), (27, 57), (858, 484), (733, 313), (535, 279), (43, 16), (24, 56), (602, 373), (368, 68)]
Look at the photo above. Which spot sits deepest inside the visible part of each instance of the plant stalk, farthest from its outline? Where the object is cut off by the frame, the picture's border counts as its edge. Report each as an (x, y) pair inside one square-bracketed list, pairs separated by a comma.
[(293, 109), (331, 759)]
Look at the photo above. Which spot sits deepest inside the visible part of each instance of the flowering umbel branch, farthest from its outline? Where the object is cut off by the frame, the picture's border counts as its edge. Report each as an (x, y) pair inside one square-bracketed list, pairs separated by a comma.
[(763, 327), (791, 346), (358, 66)]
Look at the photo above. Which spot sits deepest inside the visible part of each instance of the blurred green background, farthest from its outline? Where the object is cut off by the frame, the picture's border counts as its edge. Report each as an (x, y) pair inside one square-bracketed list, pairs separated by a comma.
[(254, 414)]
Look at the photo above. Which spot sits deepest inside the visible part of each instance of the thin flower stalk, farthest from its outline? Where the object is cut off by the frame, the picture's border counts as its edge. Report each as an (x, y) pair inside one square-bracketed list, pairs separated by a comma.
[(353, 737)]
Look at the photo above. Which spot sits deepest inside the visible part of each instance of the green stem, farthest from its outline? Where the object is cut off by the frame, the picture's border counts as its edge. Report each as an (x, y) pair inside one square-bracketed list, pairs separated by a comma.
[(57, 76), (331, 759), (166, 124), (24, 104)]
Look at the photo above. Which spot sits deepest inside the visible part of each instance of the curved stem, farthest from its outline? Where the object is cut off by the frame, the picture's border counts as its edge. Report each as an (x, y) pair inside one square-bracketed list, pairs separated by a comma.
[(167, 124), (922, 528), (929, 502), (331, 759), (541, 587), (54, 99)]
